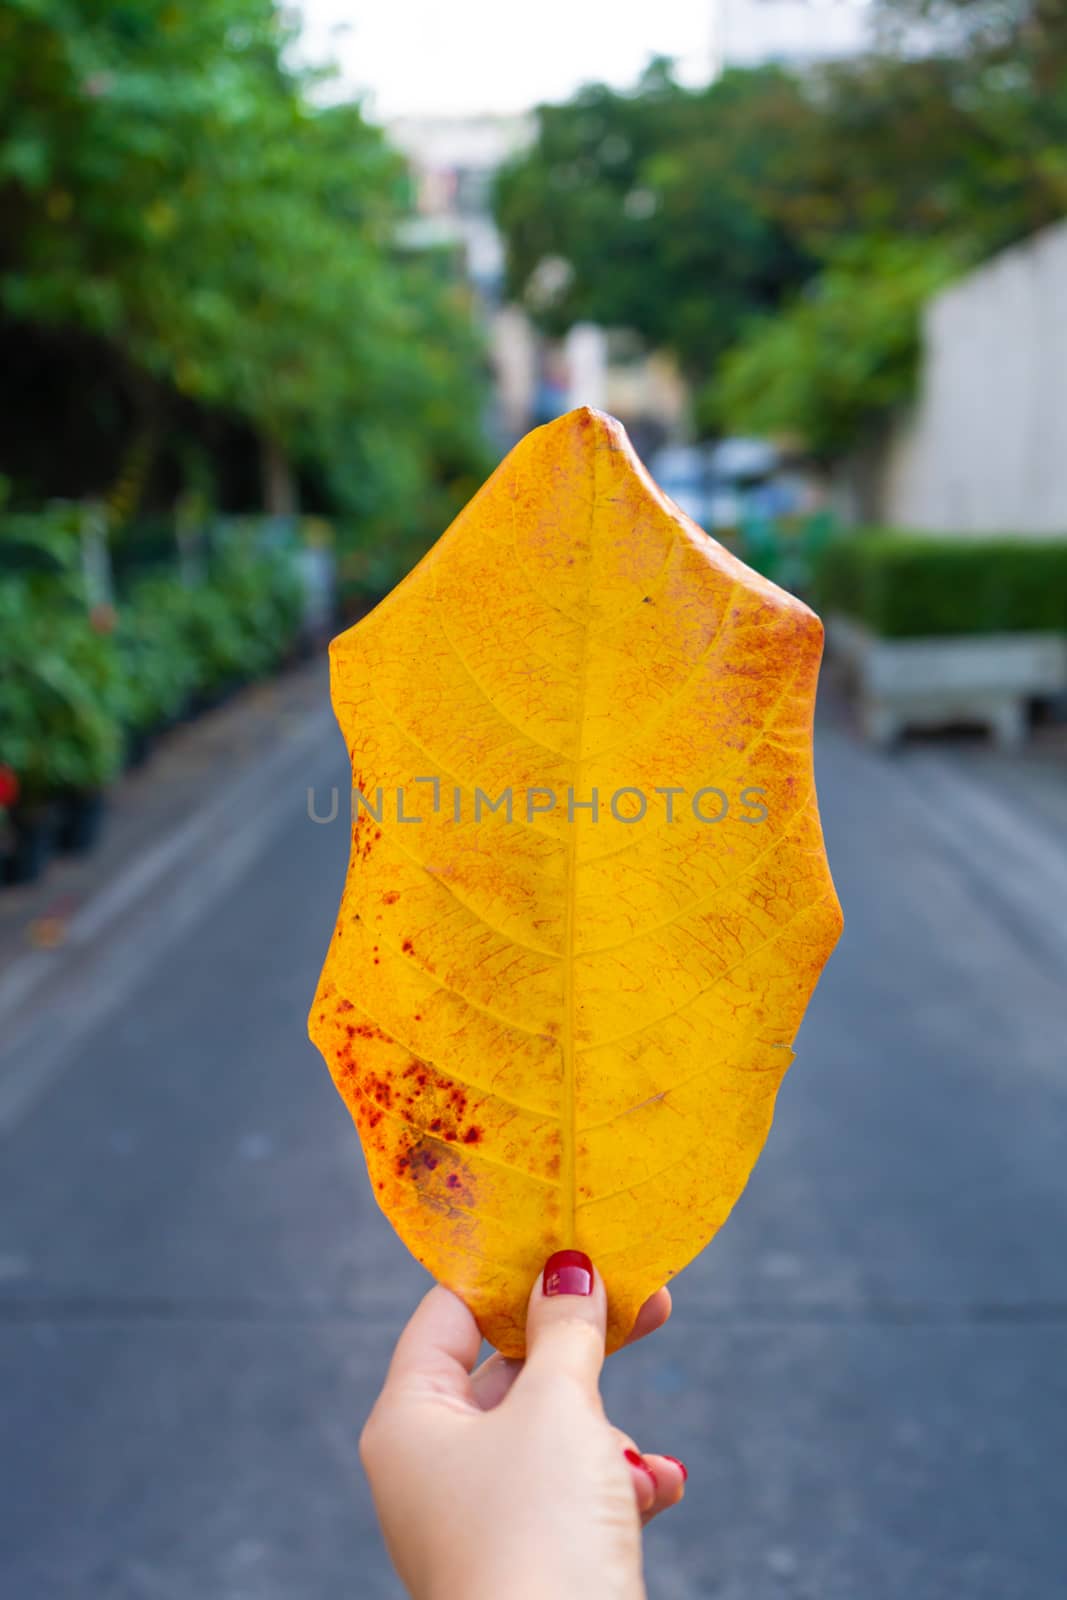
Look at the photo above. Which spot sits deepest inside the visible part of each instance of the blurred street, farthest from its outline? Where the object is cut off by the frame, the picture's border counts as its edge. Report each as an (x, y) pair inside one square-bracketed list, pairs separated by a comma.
[(280, 285), (864, 1373)]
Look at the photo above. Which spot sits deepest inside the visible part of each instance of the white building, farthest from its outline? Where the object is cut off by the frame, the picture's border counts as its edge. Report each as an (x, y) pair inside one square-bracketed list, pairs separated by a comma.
[(983, 449), (453, 160)]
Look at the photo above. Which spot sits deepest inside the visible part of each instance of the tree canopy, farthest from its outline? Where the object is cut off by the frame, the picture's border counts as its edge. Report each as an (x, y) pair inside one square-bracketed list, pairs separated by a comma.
[(173, 194), (702, 218), (837, 354), (663, 205)]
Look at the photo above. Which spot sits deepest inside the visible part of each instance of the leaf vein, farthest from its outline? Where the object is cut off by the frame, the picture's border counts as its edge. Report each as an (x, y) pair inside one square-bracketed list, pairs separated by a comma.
[(469, 1151), (479, 916), (443, 771), (450, 1072), (677, 1011), (710, 898), (635, 734)]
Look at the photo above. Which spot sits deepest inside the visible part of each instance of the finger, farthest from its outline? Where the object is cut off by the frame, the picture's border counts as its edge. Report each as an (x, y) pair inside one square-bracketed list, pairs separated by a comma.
[(646, 1488), (492, 1380), (566, 1320), (670, 1476), (666, 1475), (652, 1315), (437, 1349)]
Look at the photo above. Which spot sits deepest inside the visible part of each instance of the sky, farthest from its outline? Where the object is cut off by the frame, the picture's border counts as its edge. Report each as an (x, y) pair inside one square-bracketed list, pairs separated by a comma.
[(460, 57)]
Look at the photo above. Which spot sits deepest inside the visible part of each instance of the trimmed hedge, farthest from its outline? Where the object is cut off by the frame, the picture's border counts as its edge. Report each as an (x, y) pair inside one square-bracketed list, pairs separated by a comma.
[(909, 586)]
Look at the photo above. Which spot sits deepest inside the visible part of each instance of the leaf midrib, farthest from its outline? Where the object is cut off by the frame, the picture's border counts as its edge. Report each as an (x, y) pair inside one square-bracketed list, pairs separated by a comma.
[(568, 1165)]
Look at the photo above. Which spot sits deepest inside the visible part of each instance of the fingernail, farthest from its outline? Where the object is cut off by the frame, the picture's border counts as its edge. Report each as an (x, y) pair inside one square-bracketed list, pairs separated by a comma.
[(567, 1272), (682, 1468), (636, 1460)]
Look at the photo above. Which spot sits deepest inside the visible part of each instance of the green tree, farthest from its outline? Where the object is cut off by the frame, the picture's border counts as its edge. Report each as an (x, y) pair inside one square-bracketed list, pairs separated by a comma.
[(1028, 35), (928, 147), (692, 216), (171, 190), (660, 208), (839, 356), (918, 165)]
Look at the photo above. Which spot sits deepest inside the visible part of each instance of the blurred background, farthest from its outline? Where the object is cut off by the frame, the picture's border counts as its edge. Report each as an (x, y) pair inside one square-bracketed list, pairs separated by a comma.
[(278, 287)]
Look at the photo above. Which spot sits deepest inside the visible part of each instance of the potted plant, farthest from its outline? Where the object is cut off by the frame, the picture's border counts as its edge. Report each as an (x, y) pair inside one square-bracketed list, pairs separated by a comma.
[(30, 817), (935, 629), (242, 620), (60, 702), (16, 863), (30, 812), (158, 668)]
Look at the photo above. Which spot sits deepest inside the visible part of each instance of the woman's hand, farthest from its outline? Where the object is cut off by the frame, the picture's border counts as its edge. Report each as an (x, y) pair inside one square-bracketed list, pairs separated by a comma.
[(510, 1481)]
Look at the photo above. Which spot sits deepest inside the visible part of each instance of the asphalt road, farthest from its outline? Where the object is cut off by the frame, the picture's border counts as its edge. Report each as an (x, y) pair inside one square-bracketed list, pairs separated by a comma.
[(866, 1371)]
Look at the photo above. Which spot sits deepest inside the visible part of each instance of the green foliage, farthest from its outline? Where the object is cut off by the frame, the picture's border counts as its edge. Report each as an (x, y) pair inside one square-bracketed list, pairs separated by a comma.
[(159, 672), (929, 147), (373, 555), (205, 638), (906, 586), (1029, 35), (696, 217), (74, 682), (840, 355), (42, 549), (662, 205), (169, 186), (61, 689), (260, 590), (61, 694)]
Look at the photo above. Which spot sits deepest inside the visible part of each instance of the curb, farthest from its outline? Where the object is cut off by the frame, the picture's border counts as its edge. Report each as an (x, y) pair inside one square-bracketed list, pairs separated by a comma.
[(202, 860)]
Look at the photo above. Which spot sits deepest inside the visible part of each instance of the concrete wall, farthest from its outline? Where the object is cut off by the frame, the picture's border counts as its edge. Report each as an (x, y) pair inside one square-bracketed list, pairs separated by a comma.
[(985, 448)]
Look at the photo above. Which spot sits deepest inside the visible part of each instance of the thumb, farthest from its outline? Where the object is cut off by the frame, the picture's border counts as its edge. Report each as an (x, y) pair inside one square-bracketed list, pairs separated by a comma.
[(566, 1320)]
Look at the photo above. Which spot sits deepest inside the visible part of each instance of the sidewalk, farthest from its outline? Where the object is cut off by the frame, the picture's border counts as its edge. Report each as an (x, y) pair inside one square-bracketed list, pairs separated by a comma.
[(148, 805), (181, 833)]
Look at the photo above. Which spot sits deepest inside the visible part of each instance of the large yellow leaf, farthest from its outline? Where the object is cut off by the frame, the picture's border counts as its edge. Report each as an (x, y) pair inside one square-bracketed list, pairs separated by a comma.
[(568, 1029)]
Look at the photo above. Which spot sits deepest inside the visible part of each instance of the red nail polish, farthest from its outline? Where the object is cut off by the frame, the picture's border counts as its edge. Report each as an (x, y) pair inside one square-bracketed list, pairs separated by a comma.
[(682, 1468), (636, 1460), (567, 1272)]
